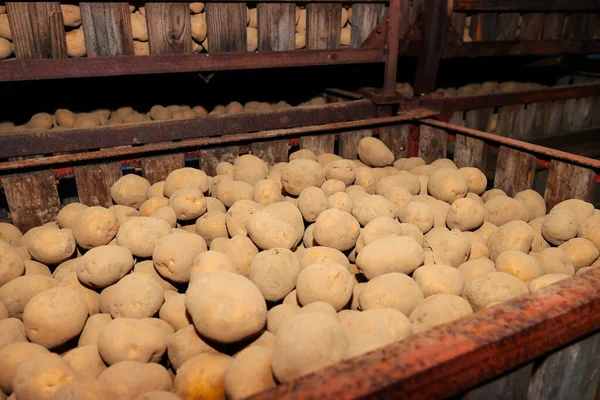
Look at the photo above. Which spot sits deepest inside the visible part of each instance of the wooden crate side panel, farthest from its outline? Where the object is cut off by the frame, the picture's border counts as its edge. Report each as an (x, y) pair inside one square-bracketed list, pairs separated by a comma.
[(483, 27), (210, 158), (433, 143), (37, 29), (583, 114), (276, 26), (348, 143), (272, 151), (567, 181), (396, 138), (32, 198), (555, 117), (478, 118), (512, 385), (323, 25), (365, 18), (510, 121), (226, 24), (107, 29), (470, 152), (507, 26), (169, 28), (575, 27), (458, 22), (553, 26), (318, 144), (532, 25), (94, 182), (514, 170), (156, 168)]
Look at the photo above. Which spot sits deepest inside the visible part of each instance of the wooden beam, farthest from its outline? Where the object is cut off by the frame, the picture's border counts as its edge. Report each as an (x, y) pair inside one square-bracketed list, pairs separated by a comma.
[(432, 46), (526, 5)]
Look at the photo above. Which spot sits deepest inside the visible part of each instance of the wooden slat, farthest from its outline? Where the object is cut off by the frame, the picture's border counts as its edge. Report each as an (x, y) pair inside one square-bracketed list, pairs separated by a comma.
[(348, 142), (540, 118), (525, 5), (514, 170), (470, 152), (37, 29), (156, 168), (575, 27), (272, 151), (555, 117), (510, 121), (433, 143), (435, 17), (226, 24), (323, 25), (568, 181), (478, 118), (593, 26), (32, 198), (276, 26), (532, 25), (396, 137), (107, 29), (507, 26), (169, 28), (210, 158), (569, 115), (512, 385), (318, 144), (365, 18), (529, 116), (458, 21), (483, 27), (94, 183), (553, 26), (583, 114)]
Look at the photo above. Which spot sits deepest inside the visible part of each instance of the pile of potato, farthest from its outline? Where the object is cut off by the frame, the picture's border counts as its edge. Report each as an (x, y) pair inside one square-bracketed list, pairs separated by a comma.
[(65, 119), (6, 47), (207, 287)]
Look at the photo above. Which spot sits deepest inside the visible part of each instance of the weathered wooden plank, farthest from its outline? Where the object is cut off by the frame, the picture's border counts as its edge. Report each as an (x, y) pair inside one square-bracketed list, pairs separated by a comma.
[(396, 138), (156, 168), (433, 143), (365, 18), (555, 118), (568, 181), (210, 158), (532, 25), (525, 5), (169, 28), (348, 142), (458, 22), (32, 198), (318, 144), (529, 116), (478, 118), (569, 115), (457, 118), (94, 183), (507, 26), (276, 26), (583, 114), (323, 25), (510, 121), (569, 373), (514, 170), (107, 29), (593, 27), (511, 385), (575, 27), (483, 27), (435, 17), (272, 151), (553, 26), (470, 152), (226, 24), (37, 29), (540, 118)]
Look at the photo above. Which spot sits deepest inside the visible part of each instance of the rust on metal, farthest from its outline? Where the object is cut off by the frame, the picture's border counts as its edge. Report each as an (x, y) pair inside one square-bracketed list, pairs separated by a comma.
[(213, 141), (450, 358), (17, 144)]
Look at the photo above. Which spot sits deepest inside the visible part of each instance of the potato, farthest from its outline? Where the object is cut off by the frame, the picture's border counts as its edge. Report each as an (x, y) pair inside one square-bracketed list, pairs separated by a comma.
[(333, 186), (267, 191), (447, 184), (129, 379), (147, 267), (473, 268), (268, 231), (148, 207), (291, 214), (303, 154), (381, 256), (424, 170), (229, 192), (406, 164), (490, 194), (448, 247), (40, 121), (103, 266), (342, 170), (250, 169), (124, 213), (17, 293), (173, 311), (374, 152), (5, 31), (36, 268), (214, 205), (418, 214), (312, 202), (539, 243), (307, 343), (515, 235), (438, 309), (465, 215), (140, 234), (581, 252), (336, 229), (398, 195), (365, 178), (211, 226), (519, 264), (130, 190), (185, 178), (478, 245), (199, 27), (131, 339), (137, 295), (368, 208), (156, 190), (139, 27), (340, 201), (174, 255), (279, 315), (320, 254), (75, 40), (210, 261), (392, 290), (11, 356), (554, 260), (209, 295), (238, 214), (41, 375), (403, 179), (249, 373), (67, 215), (240, 251), (503, 209), (329, 282), (10, 234), (439, 279), (85, 360), (11, 331), (188, 203), (533, 202), (546, 280), (158, 395), (202, 376), (274, 272), (476, 179), (185, 344), (581, 209), (559, 226), (588, 229), (95, 226), (493, 287), (300, 174), (196, 7), (92, 329)]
